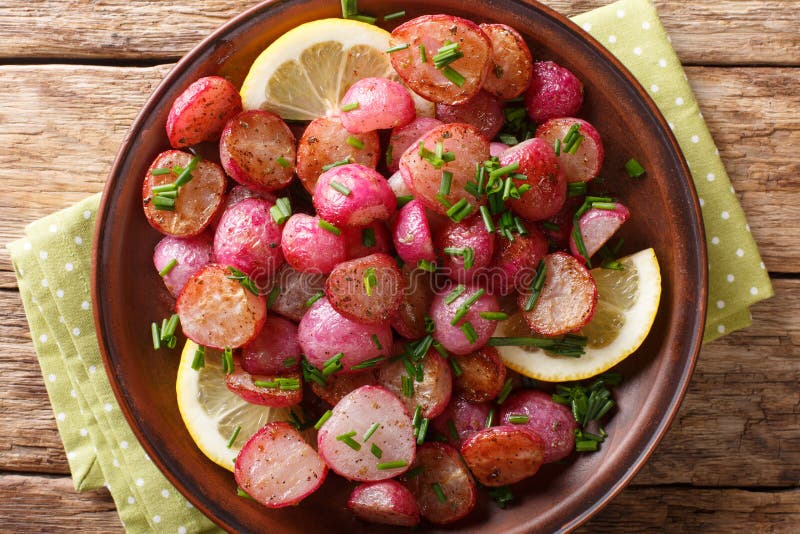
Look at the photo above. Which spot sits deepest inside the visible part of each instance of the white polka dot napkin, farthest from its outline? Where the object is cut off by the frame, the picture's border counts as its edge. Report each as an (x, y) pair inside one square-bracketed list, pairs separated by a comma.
[(53, 267)]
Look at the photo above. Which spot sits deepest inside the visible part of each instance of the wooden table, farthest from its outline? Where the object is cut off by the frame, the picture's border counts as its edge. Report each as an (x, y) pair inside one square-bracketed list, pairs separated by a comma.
[(73, 74)]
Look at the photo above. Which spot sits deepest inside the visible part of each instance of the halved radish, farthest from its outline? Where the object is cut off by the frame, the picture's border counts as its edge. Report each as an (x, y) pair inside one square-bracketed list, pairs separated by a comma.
[(367, 290), (554, 422), (461, 419), (597, 227), (482, 375), (387, 502), (339, 385), (201, 111), (553, 92), (503, 454), (431, 393), (380, 104), (265, 390), (483, 111), (511, 64), (583, 161)]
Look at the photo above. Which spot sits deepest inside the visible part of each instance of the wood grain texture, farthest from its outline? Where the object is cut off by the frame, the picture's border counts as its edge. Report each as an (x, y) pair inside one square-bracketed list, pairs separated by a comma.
[(752, 114), (729, 32), (737, 426)]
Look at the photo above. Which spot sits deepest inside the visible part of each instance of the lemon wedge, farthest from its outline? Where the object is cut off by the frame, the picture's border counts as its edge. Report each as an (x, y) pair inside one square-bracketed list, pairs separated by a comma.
[(305, 73), (212, 413), (626, 308)]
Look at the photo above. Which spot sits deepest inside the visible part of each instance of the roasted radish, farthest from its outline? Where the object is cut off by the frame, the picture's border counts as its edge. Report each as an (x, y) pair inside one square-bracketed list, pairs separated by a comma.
[(201, 111), (482, 375), (353, 195), (503, 454), (483, 111), (537, 161), (376, 104), (366, 290), (580, 149), (387, 502), (178, 259), (553, 92), (431, 385), (553, 422), (406, 136), (305, 238), (274, 351), (412, 234), (511, 63), (276, 391), (459, 326), (597, 226)]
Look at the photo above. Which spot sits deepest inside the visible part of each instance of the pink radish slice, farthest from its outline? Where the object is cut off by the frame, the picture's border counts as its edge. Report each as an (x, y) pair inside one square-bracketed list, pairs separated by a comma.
[(387, 502), (597, 227)]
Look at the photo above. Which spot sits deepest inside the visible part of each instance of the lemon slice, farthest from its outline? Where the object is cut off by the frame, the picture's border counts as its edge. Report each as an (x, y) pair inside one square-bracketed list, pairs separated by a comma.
[(305, 73), (211, 412), (626, 308)]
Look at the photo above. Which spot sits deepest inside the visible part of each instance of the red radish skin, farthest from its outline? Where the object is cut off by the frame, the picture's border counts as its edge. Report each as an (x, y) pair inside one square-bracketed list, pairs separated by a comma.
[(363, 298), (441, 464), (432, 393), (250, 147), (241, 192), (473, 235), (496, 148), (294, 290), (467, 418), (597, 227), (356, 237), (198, 202), (274, 351), (567, 300), (483, 375), (201, 111), (409, 319), (503, 455), (244, 384), (483, 111), (467, 145), (585, 164), (398, 185), (324, 141), (552, 421), (432, 31), (538, 162), (369, 199), (406, 136), (382, 104), (338, 385), (412, 235), (323, 332), (387, 502), (451, 336), (515, 261), (277, 468), (553, 92), (357, 412), (303, 241), (511, 64), (218, 312), (249, 239), (191, 254)]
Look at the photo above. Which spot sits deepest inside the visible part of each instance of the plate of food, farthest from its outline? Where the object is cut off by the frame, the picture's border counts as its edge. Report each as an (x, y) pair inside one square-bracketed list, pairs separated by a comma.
[(375, 266)]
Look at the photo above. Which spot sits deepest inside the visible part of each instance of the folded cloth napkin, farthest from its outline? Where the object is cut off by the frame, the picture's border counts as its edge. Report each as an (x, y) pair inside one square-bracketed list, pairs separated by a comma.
[(53, 264)]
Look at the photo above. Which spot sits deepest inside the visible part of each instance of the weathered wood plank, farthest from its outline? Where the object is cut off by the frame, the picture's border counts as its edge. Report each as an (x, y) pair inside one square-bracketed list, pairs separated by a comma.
[(738, 425), (752, 113), (726, 32)]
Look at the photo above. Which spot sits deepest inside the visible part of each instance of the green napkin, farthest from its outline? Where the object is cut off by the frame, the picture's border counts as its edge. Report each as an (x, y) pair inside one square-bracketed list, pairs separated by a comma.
[(53, 265)]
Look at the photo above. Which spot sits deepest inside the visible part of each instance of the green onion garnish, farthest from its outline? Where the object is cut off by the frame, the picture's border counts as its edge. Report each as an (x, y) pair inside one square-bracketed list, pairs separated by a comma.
[(417, 418), (186, 176), (453, 76), (376, 451), (363, 18), (314, 298), (283, 162), (332, 364), (423, 429), (343, 189), (227, 360), (366, 364), (444, 185), (502, 495), (339, 163), (487, 219), (493, 316), (464, 308), (349, 107), (508, 139), (557, 147), (634, 168), (165, 188), (426, 265), (490, 418), (402, 200), (505, 391), (397, 48), (370, 280), (397, 464), (447, 54), (349, 7), (322, 420), (163, 203), (469, 332), (586, 445), (576, 189), (368, 237), (395, 15), (451, 428), (168, 267), (355, 142), (160, 171), (199, 360), (325, 225), (457, 370), (437, 489), (168, 330), (371, 430), (518, 419), (536, 286), (414, 471), (156, 336), (289, 362), (407, 386), (281, 211), (273, 295), (242, 278), (234, 436), (551, 226), (311, 373), (240, 492), (348, 440), (454, 294), (423, 56), (604, 205)]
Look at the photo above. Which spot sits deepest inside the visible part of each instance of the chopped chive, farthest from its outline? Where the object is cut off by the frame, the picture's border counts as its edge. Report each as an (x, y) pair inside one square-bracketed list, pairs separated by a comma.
[(456, 367), (414, 471), (508, 139), (349, 107), (389, 151), (311, 373), (402, 200), (160, 171), (454, 294), (430, 326), (368, 237), (325, 225), (487, 219), (577, 236), (576, 189), (586, 446), (227, 360), (242, 278), (377, 342), (322, 420), (437, 489), (604, 205), (349, 7), (332, 364), (281, 211), (289, 362), (447, 54), (407, 386), (395, 15), (343, 189), (283, 162), (163, 203), (417, 418), (505, 391), (397, 48), (165, 188), (518, 419), (490, 418), (502, 495), (444, 186), (508, 169), (423, 56), (423, 429), (199, 360), (363, 18), (273, 295), (371, 430), (557, 147), (240, 492), (469, 332), (551, 226), (536, 286), (169, 194), (453, 76), (494, 316), (172, 342), (370, 280), (169, 330), (397, 464), (366, 364), (355, 142), (426, 265), (376, 451), (339, 163), (234, 436), (156, 336), (348, 440), (613, 265), (440, 349), (168, 267), (451, 428), (634, 168), (186, 176)]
